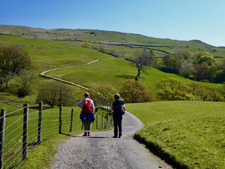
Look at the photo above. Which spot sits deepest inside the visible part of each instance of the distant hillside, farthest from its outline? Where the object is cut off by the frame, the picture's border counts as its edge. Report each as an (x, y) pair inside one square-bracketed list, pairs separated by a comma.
[(110, 38)]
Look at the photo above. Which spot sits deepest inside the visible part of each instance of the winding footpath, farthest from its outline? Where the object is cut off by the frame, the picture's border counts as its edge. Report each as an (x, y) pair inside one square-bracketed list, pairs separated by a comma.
[(101, 151), (65, 81)]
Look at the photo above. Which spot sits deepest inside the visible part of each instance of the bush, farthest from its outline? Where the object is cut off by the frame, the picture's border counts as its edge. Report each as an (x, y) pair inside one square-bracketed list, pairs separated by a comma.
[(55, 94), (86, 45), (135, 92), (25, 79), (174, 89)]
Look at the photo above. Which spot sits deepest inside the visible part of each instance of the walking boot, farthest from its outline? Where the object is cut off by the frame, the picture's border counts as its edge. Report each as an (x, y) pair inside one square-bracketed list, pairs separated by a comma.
[(85, 134), (89, 133)]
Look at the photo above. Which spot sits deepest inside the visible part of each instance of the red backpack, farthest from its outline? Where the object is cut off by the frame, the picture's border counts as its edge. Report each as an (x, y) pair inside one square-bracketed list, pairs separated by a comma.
[(87, 106)]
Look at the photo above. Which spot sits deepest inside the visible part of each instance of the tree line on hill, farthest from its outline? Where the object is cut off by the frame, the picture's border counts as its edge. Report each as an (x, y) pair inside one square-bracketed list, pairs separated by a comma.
[(174, 89), (199, 67), (133, 91), (170, 89)]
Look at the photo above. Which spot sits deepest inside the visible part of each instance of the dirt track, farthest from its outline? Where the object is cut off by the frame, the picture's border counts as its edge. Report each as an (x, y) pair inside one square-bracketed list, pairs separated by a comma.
[(102, 151)]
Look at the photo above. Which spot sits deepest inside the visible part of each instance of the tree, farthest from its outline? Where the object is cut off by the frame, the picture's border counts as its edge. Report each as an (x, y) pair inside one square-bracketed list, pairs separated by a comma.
[(212, 73), (208, 59), (25, 79), (174, 89), (142, 60), (135, 92), (201, 71), (187, 69), (172, 63), (55, 94), (202, 57), (104, 93), (12, 60), (220, 76), (221, 65), (186, 54)]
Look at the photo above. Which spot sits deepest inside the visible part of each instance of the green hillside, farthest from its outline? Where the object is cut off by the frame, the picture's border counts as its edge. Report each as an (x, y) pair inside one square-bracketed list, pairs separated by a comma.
[(125, 42), (50, 54)]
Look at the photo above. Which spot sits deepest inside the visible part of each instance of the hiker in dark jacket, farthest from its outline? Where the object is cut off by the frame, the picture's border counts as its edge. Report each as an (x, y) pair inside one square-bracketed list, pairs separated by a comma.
[(118, 109)]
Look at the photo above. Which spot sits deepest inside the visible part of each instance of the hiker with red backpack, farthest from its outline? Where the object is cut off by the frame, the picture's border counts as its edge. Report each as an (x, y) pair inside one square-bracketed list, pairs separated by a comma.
[(87, 113), (118, 109)]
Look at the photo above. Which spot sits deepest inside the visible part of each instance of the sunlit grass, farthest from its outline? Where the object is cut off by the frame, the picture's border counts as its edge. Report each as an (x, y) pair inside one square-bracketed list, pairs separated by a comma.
[(190, 134)]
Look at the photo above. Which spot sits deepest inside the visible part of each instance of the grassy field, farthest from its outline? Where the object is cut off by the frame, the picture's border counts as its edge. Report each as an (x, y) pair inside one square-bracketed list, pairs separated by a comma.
[(185, 134)]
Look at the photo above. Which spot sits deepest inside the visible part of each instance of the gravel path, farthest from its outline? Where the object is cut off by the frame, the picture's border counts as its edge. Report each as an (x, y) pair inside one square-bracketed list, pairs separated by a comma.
[(101, 151)]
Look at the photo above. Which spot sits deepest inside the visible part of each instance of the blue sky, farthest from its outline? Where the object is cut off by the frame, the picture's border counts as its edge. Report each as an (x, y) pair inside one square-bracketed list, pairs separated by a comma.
[(175, 19)]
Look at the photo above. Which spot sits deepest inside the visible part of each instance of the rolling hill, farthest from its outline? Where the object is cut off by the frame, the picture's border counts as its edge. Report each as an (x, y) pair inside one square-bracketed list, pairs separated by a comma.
[(47, 53), (116, 40)]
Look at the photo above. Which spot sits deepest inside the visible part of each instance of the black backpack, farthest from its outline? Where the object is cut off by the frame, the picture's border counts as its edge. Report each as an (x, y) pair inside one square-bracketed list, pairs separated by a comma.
[(119, 107)]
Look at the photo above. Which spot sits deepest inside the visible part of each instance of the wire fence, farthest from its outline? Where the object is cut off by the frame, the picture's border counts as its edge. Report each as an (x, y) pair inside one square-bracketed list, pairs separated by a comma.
[(24, 129)]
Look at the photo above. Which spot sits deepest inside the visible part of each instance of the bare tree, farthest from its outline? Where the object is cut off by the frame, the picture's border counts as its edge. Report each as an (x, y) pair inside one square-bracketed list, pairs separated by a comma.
[(142, 60)]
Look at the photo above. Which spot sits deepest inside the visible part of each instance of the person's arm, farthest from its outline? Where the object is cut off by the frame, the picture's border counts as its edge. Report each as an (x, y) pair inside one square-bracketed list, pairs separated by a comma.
[(80, 103), (112, 108), (93, 107)]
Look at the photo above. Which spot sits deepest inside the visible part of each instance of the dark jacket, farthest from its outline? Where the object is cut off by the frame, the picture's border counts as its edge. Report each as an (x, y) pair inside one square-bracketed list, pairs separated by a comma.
[(115, 104)]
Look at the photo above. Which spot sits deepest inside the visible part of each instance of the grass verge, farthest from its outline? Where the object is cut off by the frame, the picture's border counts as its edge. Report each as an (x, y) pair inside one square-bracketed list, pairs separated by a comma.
[(184, 134)]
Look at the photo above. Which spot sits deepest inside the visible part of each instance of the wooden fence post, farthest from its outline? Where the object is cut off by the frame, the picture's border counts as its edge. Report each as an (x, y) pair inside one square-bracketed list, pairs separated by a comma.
[(102, 122), (25, 128), (2, 126), (96, 121), (107, 117), (40, 122), (71, 121), (60, 118), (111, 119)]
